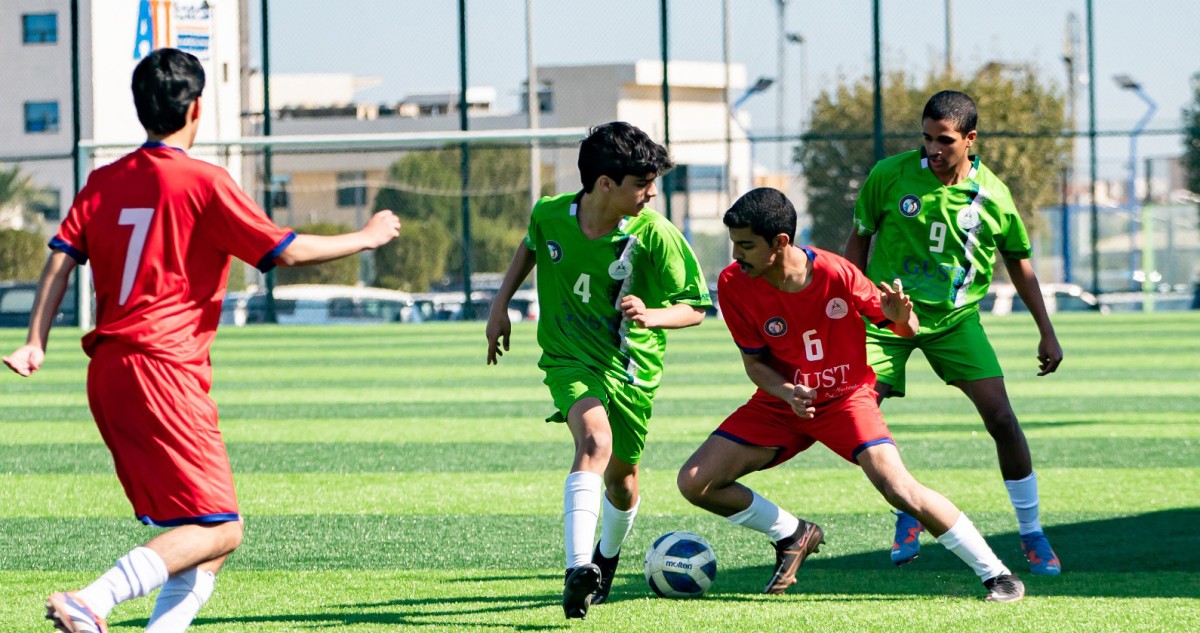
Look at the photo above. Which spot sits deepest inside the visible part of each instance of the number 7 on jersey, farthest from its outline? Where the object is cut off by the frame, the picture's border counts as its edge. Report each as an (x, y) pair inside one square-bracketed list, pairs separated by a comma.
[(140, 220)]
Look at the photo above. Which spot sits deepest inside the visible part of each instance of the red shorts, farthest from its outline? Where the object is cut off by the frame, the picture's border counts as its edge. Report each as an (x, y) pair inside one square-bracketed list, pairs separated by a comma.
[(847, 425), (161, 427)]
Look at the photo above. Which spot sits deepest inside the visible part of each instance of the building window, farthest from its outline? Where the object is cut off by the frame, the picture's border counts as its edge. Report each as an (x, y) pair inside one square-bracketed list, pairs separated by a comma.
[(281, 185), (41, 117), (40, 28), (699, 178), (352, 189)]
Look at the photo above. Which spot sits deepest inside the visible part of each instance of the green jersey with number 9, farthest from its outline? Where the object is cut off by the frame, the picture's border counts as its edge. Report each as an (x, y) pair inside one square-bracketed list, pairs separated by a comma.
[(941, 241), (581, 281)]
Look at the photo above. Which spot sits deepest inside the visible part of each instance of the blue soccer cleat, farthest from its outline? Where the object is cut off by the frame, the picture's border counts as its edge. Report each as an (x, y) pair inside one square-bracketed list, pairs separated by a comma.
[(907, 544), (1042, 560), (71, 615)]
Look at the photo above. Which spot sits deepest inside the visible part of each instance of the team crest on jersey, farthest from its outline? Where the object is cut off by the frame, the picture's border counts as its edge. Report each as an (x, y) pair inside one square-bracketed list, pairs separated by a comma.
[(775, 326), (619, 269), (968, 218), (555, 251), (910, 206), (836, 308)]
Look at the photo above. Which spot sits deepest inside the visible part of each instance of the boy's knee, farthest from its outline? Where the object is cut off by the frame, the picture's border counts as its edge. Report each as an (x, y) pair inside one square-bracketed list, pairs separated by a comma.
[(1002, 423), (691, 485), (231, 534), (597, 445)]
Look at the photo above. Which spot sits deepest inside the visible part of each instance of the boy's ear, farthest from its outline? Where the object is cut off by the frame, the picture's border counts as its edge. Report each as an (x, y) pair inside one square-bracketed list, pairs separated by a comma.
[(194, 110), (780, 241)]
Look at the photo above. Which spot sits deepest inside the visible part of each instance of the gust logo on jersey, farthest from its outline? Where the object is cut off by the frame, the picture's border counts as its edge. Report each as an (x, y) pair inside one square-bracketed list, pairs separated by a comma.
[(910, 206), (619, 269), (836, 308), (555, 251), (775, 326)]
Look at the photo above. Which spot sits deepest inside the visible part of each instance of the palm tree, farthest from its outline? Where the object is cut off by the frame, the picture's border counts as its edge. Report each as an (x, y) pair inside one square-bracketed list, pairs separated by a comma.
[(21, 200)]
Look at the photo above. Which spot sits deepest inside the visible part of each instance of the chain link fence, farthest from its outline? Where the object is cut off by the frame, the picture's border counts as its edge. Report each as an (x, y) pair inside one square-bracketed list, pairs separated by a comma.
[(747, 83)]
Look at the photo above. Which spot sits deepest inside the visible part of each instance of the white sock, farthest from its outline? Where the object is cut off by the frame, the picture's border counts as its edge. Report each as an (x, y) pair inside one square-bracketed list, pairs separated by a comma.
[(967, 543), (1024, 496), (766, 517), (614, 527), (180, 600), (136, 574), (581, 511)]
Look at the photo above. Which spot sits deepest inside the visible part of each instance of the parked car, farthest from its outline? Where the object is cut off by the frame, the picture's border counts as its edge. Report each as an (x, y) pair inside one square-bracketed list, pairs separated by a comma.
[(16, 302), (1003, 299), (304, 304)]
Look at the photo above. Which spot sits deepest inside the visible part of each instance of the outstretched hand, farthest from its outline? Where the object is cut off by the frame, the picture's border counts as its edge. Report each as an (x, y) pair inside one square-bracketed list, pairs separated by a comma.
[(25, 360), (897, 306)]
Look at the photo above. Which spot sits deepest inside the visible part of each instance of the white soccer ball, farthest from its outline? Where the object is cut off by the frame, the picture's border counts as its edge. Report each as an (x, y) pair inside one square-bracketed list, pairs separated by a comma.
[(680, 565)]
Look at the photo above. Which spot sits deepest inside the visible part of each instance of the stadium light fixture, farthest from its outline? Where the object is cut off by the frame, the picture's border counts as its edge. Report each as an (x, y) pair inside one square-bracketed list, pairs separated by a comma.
[(759, 85)]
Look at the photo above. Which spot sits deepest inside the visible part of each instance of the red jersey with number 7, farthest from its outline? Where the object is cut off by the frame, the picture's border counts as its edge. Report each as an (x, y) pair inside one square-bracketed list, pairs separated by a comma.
[(815, 337), (159, 228)]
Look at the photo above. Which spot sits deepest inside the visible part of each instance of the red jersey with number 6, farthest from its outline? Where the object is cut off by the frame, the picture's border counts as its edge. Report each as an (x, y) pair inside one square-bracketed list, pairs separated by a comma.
[(815, 337), (159, 228)]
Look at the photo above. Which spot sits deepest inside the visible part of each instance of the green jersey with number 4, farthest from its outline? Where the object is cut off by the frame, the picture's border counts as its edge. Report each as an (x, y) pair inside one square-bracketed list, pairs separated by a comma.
[(580, 282), (940, 241)]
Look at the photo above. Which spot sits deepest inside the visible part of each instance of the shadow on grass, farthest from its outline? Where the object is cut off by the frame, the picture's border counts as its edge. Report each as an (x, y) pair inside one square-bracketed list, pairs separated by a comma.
[(433, 612), (1152, 555)]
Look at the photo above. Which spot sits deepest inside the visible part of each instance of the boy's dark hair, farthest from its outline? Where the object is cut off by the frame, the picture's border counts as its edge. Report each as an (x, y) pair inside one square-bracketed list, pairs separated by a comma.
[(165, 83), (955, 107), (766, 212), (619, 149)]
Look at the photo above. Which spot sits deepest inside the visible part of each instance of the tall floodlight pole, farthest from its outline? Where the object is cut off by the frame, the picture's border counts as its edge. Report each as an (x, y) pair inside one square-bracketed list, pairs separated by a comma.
[(268, 175), (725, 99), (1070, 51), (1127, 83), (877, 130), (949, 37), (668, 179), (533, 103), (83, 275), (464, 166), (780, 84), (1095, 211)]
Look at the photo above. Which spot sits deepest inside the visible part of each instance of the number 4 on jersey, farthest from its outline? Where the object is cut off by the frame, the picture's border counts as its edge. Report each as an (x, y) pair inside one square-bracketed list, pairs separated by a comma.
[(583, 287), (140, 220)]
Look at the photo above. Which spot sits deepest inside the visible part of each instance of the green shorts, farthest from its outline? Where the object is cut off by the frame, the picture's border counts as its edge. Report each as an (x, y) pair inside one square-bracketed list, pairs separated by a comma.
[(628, 407), (959, 352)]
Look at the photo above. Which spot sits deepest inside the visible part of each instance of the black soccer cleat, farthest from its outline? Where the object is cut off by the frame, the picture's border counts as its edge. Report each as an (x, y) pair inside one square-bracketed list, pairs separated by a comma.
[(581, 583), (608, 571), (1004, 588), (790, 554)]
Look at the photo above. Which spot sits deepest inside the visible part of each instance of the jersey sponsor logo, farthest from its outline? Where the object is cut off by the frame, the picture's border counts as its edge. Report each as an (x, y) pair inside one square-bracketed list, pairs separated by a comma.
[(775, 326), (555, 251), (968, 218), (910, 206), (836, 308), (822, 378), (619, 269)]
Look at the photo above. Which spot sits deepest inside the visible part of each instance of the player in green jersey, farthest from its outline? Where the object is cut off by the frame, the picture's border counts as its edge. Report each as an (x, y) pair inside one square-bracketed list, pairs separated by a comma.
[(612, 275), (939, 217)]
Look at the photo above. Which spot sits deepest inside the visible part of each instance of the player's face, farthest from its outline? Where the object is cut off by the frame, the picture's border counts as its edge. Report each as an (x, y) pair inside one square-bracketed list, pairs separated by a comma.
[(753, 254), (634, 193), (946, 147)]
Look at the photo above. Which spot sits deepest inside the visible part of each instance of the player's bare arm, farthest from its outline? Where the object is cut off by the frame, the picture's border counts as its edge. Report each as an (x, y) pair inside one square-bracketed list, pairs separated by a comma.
[(51, 288), (499, 328), (898, 308), (306, 250), (799, 397), (673, 317), (857, 248), (1050, 353)]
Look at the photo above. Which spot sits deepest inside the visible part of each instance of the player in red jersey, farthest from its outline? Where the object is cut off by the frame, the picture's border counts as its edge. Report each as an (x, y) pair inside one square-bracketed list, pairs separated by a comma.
[(159, 228), (797, 316)]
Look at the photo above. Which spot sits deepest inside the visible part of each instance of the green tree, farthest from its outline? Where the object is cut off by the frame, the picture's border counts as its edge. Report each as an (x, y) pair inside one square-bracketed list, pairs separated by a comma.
[(840, 153), (22, 255), (342, 271), (414, 259), (426, 186), (21, 199)]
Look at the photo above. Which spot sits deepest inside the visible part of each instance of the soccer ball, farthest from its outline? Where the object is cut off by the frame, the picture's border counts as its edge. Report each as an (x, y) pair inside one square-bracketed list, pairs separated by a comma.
[(680, 565)]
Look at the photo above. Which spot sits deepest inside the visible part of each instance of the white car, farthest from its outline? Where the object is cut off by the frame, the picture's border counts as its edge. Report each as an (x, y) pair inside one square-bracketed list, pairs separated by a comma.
[(1003, 299), (310, 304)]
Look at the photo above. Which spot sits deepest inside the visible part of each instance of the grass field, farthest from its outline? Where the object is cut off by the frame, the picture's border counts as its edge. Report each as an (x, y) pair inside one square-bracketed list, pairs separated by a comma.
[(390, 480)]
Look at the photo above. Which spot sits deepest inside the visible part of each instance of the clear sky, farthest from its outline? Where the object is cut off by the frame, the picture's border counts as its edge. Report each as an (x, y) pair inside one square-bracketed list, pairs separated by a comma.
[(413, 46)]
